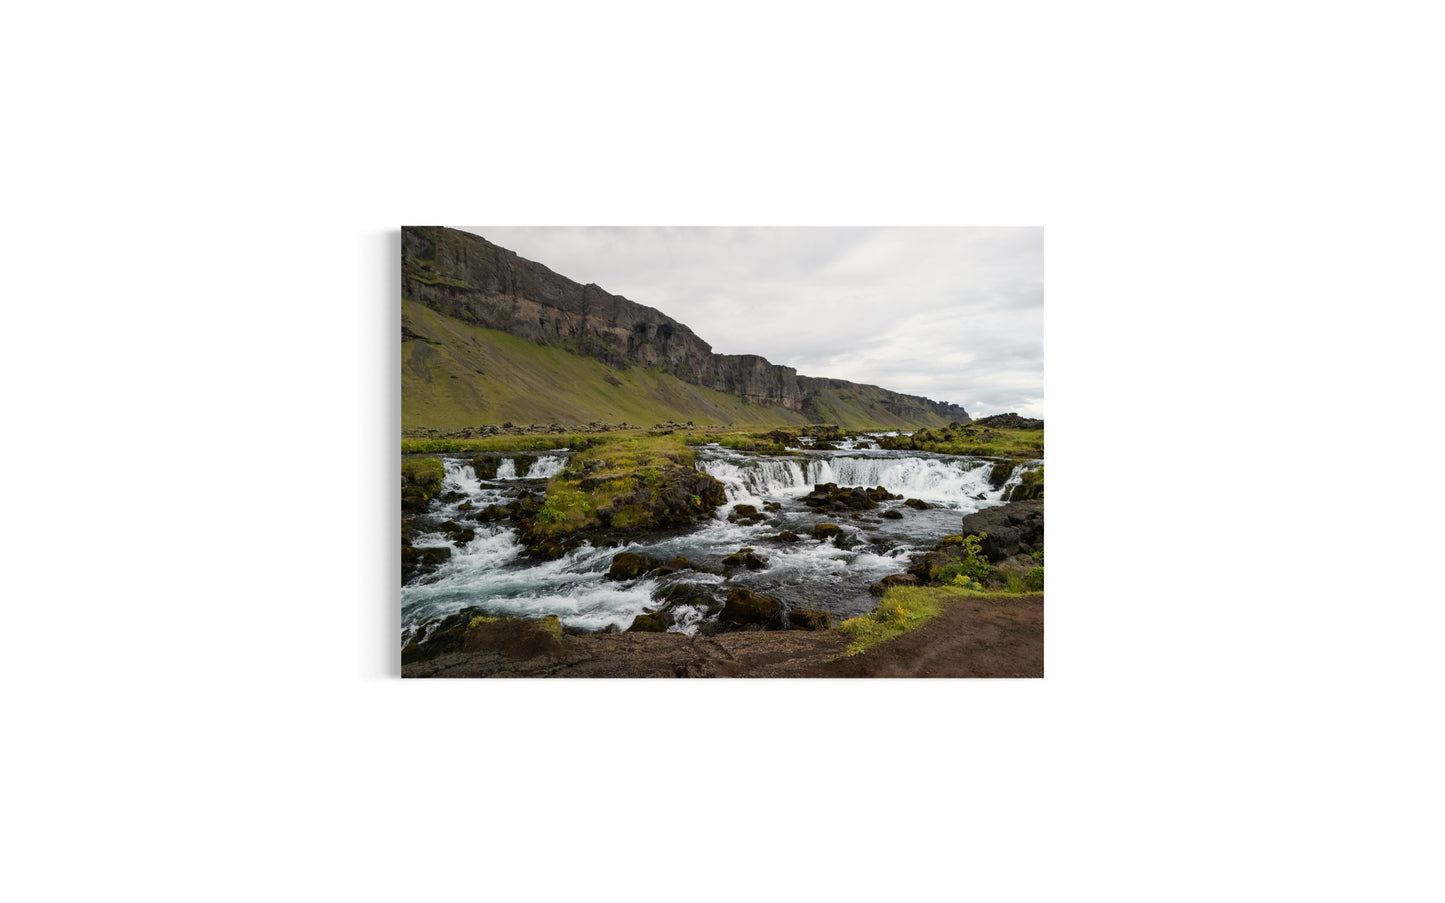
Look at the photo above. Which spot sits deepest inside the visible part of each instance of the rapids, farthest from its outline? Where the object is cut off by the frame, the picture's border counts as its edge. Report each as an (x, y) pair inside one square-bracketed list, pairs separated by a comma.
[(489, 572)]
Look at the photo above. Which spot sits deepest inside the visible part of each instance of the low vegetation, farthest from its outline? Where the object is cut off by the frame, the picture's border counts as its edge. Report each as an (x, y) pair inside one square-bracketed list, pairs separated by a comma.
[(623, 484), (903, 608), (491, 444), (1031, 486), (421, 478), (971, 439)]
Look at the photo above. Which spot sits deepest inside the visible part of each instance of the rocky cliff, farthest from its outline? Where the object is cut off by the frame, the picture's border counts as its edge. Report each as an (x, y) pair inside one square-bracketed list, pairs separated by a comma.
[(467, 277)]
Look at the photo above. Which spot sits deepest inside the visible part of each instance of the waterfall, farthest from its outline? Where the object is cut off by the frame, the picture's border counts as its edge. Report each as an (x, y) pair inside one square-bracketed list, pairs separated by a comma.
[(758, 477), (546, 467), (932, 479)]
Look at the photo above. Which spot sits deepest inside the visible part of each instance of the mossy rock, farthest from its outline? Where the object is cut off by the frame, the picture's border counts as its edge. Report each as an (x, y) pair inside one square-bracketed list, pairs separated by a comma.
[(628, 566), (1000, 473), (824, 531), (892, 580), (745, 558), (809, 619), (518, 638), (673, 565), (485, 468), (657, 622), (918, 504), (447, 636), (892, 514), (745, 607), (415, 562), (691, 594), (489, 514), (788, 536)]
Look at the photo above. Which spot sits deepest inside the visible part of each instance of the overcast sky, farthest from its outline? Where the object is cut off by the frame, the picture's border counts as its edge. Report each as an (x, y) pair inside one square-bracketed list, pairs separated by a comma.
[(953, 314)]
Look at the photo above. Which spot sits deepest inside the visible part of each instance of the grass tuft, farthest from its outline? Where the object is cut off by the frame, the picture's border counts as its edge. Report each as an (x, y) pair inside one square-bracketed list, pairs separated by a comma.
[(902, 609)]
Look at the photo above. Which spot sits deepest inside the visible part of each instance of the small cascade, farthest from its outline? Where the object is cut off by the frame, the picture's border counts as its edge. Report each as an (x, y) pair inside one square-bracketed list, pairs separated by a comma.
[(507, 470), (758, 477), (545, 467), (1017, 476)]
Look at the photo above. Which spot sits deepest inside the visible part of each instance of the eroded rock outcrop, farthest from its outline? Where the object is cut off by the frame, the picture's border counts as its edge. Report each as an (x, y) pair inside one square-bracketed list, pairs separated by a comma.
[(469, 278)]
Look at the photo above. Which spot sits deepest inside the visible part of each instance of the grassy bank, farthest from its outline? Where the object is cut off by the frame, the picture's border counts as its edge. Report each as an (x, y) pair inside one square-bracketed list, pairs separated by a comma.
[(969, 439), (455, 375)]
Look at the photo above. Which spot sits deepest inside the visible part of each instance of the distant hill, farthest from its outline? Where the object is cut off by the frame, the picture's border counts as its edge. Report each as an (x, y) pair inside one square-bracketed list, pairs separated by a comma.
[(488, 336)]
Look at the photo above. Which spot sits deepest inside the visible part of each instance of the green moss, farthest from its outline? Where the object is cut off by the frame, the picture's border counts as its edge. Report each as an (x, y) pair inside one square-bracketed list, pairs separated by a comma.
[(1031, 485), (424, 472), (552, 624), (902, 609)]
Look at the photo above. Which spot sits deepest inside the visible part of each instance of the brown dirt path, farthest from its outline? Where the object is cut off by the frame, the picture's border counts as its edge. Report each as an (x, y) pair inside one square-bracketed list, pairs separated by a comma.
[(982, 636), (974, 636)]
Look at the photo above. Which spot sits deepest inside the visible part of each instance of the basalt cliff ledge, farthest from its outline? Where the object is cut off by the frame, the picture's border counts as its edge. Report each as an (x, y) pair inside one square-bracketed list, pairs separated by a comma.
[(468, 278)]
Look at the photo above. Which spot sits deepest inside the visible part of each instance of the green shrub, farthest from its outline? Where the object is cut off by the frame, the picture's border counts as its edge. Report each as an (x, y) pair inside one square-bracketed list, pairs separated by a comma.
[(1034, 579)]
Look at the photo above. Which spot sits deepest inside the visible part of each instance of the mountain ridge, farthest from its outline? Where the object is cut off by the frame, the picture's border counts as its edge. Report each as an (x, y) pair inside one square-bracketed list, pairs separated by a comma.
[(470, 280)]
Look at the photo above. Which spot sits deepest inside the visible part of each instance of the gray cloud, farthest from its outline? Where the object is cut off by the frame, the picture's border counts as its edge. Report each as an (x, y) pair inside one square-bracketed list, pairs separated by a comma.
[(953, 314)]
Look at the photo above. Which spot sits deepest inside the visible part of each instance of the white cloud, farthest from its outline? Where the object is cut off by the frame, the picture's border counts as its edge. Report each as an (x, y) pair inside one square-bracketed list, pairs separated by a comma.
[(953, 314)]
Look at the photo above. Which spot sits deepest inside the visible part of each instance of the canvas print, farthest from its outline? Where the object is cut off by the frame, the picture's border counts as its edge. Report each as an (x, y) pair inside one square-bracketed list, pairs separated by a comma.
[(722, 452)]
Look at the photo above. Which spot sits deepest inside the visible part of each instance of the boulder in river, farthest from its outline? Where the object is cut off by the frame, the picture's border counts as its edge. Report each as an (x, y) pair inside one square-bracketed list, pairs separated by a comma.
[(673, 565), (657, 622), (745, 557), (745, 608), (628, 566), (809, 619)]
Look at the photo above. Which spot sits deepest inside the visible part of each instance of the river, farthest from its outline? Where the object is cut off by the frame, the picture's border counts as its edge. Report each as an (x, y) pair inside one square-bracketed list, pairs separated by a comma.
[(832, 575)]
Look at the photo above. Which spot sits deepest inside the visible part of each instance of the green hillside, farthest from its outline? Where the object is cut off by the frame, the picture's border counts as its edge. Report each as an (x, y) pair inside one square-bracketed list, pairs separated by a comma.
[(455, 375)]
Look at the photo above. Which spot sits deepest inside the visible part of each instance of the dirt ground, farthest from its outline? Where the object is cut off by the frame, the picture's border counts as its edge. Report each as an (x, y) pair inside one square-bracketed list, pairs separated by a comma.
[(982, 636)]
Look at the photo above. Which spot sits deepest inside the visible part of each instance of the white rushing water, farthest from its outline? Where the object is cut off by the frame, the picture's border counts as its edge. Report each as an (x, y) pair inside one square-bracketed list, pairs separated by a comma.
[(936, 479), (490, 572)]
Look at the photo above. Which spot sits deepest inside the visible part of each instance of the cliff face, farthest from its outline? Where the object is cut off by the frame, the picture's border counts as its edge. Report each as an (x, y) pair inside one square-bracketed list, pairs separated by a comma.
[(471, 279)]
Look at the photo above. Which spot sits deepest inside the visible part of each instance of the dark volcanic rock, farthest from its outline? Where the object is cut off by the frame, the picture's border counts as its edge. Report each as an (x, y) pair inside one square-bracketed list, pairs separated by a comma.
[(745, 607), (674, 565), (1000, 473), (415, 562), (882, 586), (485, 468), (519, 638), (1012, 528), (809, 619), (657, 622), (1010, 421), (892, 514), (628, 566), (691, 594), (745, 557), (829, 497)]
